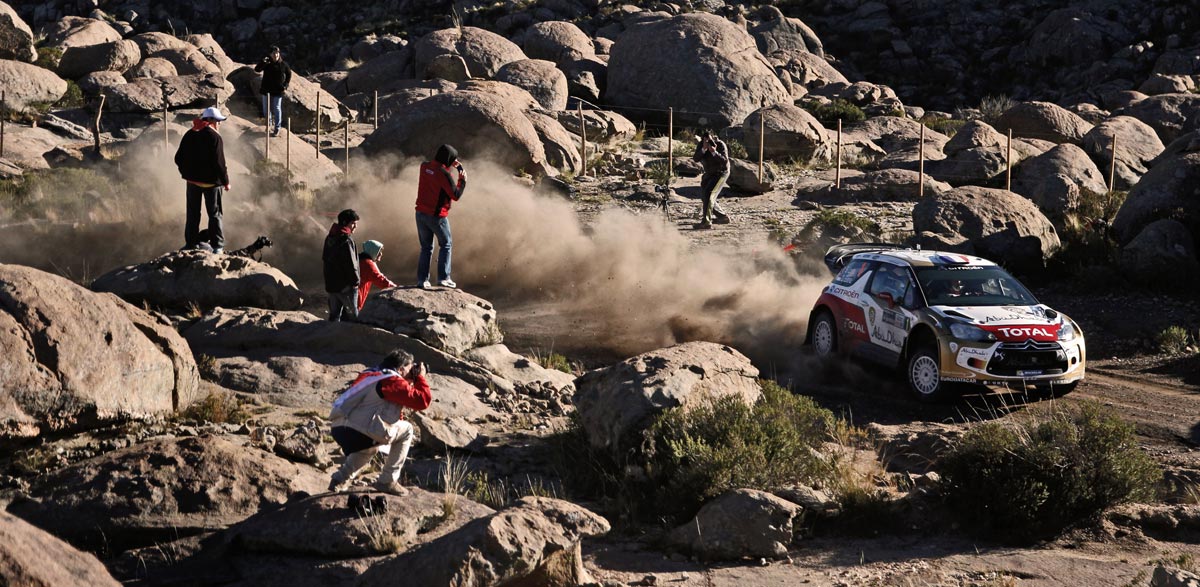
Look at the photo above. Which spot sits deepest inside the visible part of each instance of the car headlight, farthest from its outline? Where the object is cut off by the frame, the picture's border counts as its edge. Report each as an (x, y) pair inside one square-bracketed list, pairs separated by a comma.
[(971, 333), (1067, 332)]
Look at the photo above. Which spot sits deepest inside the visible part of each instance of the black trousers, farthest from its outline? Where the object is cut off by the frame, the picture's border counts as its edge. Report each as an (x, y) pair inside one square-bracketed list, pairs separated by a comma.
[(212, 204)]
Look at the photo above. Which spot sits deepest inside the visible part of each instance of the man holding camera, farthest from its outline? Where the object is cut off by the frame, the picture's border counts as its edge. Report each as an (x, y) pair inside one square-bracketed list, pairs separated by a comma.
[(436, 191), (276, 75), (369, 416), (713, 154)]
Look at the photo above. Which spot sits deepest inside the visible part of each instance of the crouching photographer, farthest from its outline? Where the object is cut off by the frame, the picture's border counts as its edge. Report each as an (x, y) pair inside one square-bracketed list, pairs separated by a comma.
[(369, 417)]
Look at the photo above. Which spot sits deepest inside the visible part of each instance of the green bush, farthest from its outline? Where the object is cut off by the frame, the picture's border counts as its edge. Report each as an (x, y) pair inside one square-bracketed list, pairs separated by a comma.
[(991, 108), (946, 126), (697, 454), (1029, 480), (1173, 340), (217, 407), (829, 114), (48, 57)]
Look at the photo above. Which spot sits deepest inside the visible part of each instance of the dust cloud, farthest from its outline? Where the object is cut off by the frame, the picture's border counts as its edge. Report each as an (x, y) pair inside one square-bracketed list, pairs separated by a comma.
[(627, 282)]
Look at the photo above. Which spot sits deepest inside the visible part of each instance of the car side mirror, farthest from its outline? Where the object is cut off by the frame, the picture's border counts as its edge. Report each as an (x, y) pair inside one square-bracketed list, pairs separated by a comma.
[(887, 297)]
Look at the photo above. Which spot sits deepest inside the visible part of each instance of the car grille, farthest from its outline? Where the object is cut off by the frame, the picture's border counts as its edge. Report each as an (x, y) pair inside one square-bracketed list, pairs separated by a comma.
[(1013, 359)]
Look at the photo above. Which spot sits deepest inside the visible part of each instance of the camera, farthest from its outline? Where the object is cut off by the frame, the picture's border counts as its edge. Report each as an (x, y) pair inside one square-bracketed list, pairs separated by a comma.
[(418, 366)]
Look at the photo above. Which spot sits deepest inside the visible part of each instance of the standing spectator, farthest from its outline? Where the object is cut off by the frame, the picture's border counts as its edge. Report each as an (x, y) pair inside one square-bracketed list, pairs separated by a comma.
[(369, 273), (713, 154), (275, 79), (340, 259), (201, 162), (436, 191), (370, 414)]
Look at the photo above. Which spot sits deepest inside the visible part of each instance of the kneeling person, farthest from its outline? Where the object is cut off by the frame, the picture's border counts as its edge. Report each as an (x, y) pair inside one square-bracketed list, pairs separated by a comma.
[(370, 414)]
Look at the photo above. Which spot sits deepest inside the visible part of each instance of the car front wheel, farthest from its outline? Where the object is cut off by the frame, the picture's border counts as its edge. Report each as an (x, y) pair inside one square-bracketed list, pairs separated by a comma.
[(925, 375), (824, 335)]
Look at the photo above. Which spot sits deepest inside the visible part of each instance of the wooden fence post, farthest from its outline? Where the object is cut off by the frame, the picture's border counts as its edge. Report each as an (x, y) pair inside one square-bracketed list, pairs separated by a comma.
[(96, 128), (318, 151), (376, 115), (762, 128), (3, 115), (1008, 163), (837, 178), (1112, 170), (670, 145), (287, 147), (582, 139), (346, 143), (921, 167)]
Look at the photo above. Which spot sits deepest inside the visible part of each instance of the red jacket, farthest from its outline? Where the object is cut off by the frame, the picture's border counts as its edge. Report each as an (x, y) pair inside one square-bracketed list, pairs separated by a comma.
[(413, 395), (370, 275), (437, 189)]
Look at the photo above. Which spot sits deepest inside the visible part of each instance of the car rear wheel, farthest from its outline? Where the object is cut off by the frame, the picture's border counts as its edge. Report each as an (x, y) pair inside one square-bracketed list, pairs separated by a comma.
[(824, 335), (925, 374)]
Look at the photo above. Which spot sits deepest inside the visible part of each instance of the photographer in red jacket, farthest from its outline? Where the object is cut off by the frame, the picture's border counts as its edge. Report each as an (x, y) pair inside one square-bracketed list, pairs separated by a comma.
[(436, 191)]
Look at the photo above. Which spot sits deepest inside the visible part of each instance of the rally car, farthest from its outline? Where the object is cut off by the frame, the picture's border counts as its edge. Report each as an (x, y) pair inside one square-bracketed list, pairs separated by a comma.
[(944, 318)]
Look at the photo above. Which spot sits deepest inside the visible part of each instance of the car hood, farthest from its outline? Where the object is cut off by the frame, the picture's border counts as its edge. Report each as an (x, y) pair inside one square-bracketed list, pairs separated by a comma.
[(1008, 323)]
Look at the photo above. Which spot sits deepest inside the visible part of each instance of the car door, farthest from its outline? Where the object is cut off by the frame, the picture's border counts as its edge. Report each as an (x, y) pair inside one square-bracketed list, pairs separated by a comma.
[(891, 297)]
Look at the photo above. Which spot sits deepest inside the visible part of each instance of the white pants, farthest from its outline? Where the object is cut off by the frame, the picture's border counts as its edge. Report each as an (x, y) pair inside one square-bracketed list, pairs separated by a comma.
[(396, 454)]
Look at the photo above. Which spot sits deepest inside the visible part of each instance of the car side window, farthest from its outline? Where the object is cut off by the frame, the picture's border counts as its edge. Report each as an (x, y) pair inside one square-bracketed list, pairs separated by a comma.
[(852, 272), (893, 281)]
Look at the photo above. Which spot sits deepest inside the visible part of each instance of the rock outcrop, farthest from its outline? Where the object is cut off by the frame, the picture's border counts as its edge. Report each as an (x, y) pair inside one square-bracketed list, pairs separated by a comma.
[(741, 523), (996, 224), (74, 358), (26, 85), (31, 557), (450, 320), (16, 38), (206, 280)]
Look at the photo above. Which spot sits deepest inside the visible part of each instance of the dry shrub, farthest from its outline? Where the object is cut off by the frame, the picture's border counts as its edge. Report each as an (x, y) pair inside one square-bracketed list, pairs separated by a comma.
[(1032, 478), (218, 407)]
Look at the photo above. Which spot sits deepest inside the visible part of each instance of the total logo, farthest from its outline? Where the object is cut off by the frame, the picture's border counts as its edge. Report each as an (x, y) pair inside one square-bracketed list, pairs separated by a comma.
[(1024, 331)]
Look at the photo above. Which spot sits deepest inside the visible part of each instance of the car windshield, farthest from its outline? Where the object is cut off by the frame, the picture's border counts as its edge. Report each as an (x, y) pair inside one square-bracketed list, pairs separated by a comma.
[(972, 286)]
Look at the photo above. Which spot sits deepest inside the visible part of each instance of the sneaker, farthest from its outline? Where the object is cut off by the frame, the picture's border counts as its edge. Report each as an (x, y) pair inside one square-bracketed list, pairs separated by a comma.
[(336, 483), (702, 226), (391, 487), (447, 283), (721, 219), (425, 284)]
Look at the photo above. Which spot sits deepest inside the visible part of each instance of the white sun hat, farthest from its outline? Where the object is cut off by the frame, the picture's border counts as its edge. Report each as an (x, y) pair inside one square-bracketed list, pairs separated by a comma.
[(212, 112)]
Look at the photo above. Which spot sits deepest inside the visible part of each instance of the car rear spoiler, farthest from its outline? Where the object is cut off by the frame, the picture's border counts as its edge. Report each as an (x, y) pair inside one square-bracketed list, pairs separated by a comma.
[(837, 255)]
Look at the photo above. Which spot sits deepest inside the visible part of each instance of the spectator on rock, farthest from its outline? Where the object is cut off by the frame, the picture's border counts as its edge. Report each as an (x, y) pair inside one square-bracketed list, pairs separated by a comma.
[(713, 154), (276, 75), (369, 416), (201, 162), (368, 270), (340, 260), (436, 191)]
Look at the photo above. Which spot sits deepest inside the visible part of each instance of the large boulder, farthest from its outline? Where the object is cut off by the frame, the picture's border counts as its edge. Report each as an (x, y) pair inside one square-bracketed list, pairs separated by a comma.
[(540, 78), (1162, 254), (788, 132), (31, 557), (324, 526), (184, 278), (561, 147), (884, 185), (1171, 189), (601, 126), (719, 77), (616, 402), (183, 91), (776, 32), (450, 320), (744, 177), (77, 31), (213, 51), (26, 85), (1136, 146), (535, 542), (151, 67), (26, 147), (75, 358), (16, 38), (379, 73), (806, 69), (1058, 179), (992, 223), (297, 359), (481, 126), (498, 359), (740, 524), (557, 41), (483, 51), (976, 165), (163, 489), (116, 56), (1170, 115), (1043, 120)]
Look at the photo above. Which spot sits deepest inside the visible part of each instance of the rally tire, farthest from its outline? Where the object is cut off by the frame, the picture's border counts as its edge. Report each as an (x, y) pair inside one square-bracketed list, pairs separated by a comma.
[(924, 374), (824, 335)]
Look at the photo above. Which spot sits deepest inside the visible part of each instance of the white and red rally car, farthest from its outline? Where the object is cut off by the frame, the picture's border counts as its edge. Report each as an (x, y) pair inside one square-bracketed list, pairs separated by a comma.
[(944, 317)]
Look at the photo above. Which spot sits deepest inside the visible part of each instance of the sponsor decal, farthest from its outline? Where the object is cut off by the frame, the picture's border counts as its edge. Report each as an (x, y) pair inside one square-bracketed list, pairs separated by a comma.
[(970, 379), (892, 318), (849, 324), (974, 352), (871, 314), (1038, 332), (1003, 318), (885, 336), (843, 292)]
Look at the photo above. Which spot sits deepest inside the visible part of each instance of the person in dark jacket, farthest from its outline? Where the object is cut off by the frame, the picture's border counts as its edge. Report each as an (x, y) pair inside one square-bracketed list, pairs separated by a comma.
[(436, 191), (201, 162), (713, 154), (340, 259), (275, 79)]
